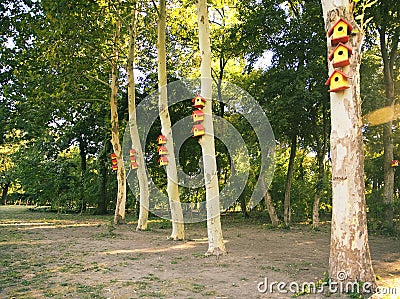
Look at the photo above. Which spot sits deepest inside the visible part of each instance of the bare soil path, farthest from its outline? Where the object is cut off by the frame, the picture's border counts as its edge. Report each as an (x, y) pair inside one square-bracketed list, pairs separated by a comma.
[(43, 255)]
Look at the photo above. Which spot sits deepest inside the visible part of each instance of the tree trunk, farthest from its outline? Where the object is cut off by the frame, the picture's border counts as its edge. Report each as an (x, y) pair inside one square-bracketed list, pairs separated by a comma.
[(4, 193), (119, 215), (389, 59), (321, 152), (178, 228), (289, 179), (269, 204), (103, 161), (216, 244), (136, 144), (319, 187), (350, 259), (82, 153)]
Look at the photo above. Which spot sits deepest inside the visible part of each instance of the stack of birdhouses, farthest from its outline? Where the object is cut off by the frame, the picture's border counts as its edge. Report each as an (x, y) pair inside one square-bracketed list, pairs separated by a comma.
[(339, 34), (114, 161), (198, 116), (162, 150), (132, 157)]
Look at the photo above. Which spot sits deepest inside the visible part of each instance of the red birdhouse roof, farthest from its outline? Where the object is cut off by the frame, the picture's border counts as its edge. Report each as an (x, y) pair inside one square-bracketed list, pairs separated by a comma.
[(163, 159), (343, 45), (113, 156), (334, 72), (349, 26), (162, 137), (132, 152), (197, 127), (162, 148), (199, 97), (197, 113)]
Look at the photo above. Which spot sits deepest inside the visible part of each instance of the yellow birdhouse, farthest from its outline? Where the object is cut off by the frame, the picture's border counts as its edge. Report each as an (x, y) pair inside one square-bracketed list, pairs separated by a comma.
[(338, 81), (162, 139), (197, 116), (163, 161), (134, 165), (395, 163), (162, 150), (198, 130), (199, 102), (340, 55), (340, 31)]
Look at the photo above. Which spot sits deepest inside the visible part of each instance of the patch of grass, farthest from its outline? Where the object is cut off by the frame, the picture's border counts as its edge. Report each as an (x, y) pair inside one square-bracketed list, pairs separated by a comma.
[(198, 288)]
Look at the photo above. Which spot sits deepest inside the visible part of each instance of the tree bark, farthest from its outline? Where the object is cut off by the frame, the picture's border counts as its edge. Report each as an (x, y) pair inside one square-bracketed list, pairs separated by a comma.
[(178, 228), (82, 153), (119, 215), (216, 244), (269, 204), (4, 193), (289, 179), (389, 57), (349, 260), (103, 159), (136, 144)]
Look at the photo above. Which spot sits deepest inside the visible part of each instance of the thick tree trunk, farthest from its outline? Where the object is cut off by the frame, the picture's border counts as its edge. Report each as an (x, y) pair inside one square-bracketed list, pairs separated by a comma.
[(389, 57), (350, 260), (178, 228), (216, 244), (119, 215), (136, 144), (289, 179)]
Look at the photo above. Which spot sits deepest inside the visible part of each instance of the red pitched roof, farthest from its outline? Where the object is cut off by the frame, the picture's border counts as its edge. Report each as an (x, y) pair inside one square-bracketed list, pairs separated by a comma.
[(349, 28)]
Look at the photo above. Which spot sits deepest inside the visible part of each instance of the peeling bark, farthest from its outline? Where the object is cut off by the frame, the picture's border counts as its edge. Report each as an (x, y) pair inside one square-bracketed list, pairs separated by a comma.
[(136, 144), (178, 228), (119, 215), (216, 244), (349, 249)]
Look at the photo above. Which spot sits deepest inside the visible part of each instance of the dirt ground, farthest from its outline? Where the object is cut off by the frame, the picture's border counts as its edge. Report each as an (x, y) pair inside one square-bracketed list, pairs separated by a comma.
[(43, 255)]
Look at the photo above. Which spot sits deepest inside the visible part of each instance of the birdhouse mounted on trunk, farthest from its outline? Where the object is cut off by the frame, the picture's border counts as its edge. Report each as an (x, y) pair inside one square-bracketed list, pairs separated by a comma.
[(340, 32), (161, 139), (198, 130), (132, 158), (395, 163), (197, 116), (340, 55), (338, 81), (114, 162), (162, 150), (199, 102), (163, 161)]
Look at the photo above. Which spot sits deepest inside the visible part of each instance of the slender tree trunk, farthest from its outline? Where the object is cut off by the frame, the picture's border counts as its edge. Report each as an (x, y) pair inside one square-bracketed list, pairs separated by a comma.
[(389, 57), (350, 259), (319, 187), (321, 152), (4, 193), (289, 179), (82, 153), (136, 144), (178, 228), (216, 244), (103, 159), (119, 215), (269, 204)]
